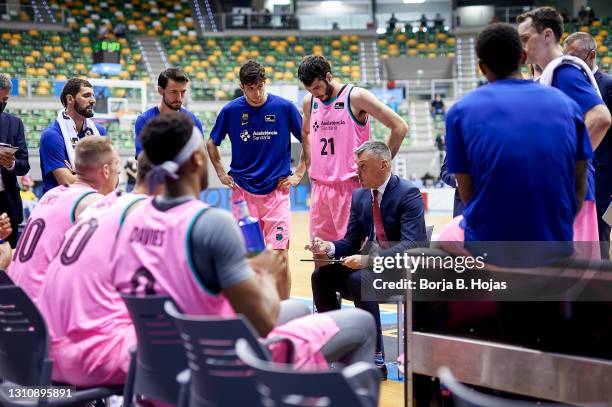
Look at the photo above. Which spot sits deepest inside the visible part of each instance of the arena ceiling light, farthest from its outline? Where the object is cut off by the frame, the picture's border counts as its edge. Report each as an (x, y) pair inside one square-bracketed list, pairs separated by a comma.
[(414, 1)]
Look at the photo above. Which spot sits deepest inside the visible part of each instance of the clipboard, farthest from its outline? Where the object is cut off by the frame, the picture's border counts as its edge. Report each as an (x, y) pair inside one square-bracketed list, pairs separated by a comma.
[(330, 261), (8, 148), (607, 216)]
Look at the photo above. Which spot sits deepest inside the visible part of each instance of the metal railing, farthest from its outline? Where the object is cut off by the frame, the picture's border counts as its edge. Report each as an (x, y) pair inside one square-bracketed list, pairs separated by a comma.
[(426, 89), (29, 14), (257, 21), (509, 14)]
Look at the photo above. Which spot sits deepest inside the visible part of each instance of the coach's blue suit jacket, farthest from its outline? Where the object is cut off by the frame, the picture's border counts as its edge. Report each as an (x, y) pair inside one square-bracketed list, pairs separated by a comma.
[(402, 210), (12, 132)]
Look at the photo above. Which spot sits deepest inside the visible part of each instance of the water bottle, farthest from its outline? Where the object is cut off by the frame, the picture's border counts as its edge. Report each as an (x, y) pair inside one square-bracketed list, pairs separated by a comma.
[(251, 231)]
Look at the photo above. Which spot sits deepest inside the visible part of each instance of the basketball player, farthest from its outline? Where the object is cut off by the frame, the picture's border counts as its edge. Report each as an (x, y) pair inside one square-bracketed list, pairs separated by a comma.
[(196, 254), (89, 326), (260, 125), (540, 31), (172, 85), (336, 121), (97, 175)]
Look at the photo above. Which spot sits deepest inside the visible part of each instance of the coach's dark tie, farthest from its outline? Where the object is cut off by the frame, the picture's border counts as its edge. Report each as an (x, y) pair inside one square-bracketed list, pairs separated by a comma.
[(379, 227)]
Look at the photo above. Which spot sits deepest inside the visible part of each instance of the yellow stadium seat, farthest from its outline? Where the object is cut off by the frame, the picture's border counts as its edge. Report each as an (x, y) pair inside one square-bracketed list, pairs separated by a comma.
[(5, 64), (254, 54), (344, 38), (65, 55), (211, 43), (221, 94), (42, 72), (230, 76), (270, 59), (131, 68), (14, 43), (180, 52), (212, 59), (189, 69), (451, 55), (336, 44), (451, 41), (584, 29), (197, 48), (31, 71), (603, 33), (421, 46), (432, 46), (255, 39), (236, 70), (291, 39), (345, 59), (124, 75), (6, 36), (218, 53), (602, 49), (280, 49), (354, 38), (187, 48), (289, 76), (412, 42), (49, 66), (29, 60), (60, 77), (355, 75), (299, 49), (215, 81), (596, 23), (412, 52), (205, 64), (241, 59), (278, 76), (290, 64), (195, 63), (354, 48), (33, 33), (400, 37), (136, 57), (201, 75), (269, 70), (173, 58)]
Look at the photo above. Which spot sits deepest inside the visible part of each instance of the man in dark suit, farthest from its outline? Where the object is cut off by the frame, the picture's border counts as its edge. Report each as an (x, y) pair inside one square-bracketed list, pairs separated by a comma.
[(583, 46), (11, 164), (388, 212)]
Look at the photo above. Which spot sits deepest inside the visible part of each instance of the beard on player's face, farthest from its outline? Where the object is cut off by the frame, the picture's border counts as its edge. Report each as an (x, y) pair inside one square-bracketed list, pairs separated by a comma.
[(176, 105), (329, 90), (86, 110)]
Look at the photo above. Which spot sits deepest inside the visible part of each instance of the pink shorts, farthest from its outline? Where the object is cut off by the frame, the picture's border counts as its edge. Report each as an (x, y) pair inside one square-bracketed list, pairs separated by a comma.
[(100, 359), (586, 232), (308, 334), (330, 208), (273, 211)]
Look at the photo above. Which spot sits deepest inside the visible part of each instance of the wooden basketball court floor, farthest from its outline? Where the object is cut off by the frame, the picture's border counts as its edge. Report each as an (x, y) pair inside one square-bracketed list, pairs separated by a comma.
[(392, 391)]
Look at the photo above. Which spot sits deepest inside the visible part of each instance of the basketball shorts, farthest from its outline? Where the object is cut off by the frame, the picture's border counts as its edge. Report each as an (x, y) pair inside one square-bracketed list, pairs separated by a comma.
[(330, 208)]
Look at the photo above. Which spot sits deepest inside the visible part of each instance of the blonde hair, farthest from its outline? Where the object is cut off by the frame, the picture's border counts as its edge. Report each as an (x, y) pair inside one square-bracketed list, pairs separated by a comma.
[(92, 153)]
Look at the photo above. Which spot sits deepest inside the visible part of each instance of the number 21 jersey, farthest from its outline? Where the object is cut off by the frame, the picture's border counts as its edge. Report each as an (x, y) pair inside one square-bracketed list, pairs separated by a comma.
[(334, 135)]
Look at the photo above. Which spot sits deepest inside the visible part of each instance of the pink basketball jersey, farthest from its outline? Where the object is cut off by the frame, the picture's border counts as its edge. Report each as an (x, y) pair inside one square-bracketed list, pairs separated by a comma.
[(43, 234), (153, 256), (334, 135), (101, 206), (78, 297)]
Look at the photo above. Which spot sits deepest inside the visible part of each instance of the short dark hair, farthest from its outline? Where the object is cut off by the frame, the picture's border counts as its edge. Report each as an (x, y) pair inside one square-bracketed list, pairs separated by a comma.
[(313, 67), (252, 73), (165, 135), (499, 48), (175, 74), (144, 166), (72, 87), (543, 18)]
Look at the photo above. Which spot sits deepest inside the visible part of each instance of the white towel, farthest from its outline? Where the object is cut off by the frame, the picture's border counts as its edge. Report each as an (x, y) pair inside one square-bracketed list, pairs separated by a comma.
[(549, 71), (70, 134)]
